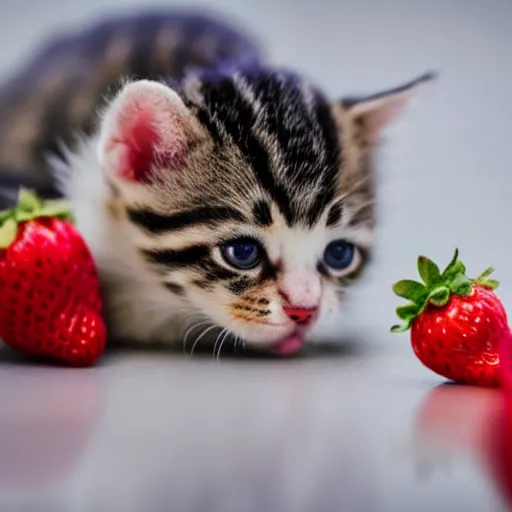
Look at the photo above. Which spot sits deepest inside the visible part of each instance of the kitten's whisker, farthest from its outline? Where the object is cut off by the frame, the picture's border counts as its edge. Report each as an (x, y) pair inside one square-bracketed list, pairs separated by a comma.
[(193, 318), (202, 334), (226, 334), (217, 340), (190, 330)]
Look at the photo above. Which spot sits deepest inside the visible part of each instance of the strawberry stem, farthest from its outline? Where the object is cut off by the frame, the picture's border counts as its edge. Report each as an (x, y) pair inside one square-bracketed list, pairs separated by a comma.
[(29, 207), (436, 289)]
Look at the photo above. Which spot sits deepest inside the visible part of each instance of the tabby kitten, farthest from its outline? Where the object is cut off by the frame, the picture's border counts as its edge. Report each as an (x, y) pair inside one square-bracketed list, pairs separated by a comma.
[(232, 195)]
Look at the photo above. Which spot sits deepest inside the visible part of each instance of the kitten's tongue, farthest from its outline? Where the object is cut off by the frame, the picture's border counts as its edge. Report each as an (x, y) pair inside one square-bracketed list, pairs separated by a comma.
[(289, 345)]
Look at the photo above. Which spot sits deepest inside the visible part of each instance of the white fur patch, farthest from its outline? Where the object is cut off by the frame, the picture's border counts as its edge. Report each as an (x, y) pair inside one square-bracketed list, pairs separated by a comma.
[(139, 308)]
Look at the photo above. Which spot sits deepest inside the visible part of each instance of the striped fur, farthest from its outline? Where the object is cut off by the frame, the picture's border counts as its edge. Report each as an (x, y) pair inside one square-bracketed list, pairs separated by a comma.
[(268, 157), (61, 89)]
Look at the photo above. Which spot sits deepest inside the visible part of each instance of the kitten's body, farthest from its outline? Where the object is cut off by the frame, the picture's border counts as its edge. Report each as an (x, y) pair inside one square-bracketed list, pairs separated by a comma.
[(60, 90), (180, 177)]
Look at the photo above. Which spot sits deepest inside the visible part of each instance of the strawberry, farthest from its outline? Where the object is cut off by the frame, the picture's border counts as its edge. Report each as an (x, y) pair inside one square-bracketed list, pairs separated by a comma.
[(50, 302), (457, 323)]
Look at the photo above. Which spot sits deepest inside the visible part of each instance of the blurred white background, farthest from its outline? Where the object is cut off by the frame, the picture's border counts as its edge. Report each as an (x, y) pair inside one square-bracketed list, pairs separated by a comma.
[(444, 168)]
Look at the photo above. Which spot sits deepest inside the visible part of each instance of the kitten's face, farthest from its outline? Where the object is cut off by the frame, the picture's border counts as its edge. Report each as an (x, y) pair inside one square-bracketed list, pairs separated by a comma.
[(248, 196)]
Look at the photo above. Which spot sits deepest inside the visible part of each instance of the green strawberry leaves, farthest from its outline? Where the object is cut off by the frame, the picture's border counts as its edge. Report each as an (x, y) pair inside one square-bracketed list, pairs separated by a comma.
[(8, 231), (408, 289), (4, 215), (439, 296), (454, 268), (437, 288), (407, 313), (483, 279), (29, 207), (428, 271), (28, 201), (55, 208), (461, 285)]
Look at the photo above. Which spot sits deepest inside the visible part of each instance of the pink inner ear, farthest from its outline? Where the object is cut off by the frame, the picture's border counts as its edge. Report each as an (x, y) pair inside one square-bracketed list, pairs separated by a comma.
[(376, 120), (148, 136)]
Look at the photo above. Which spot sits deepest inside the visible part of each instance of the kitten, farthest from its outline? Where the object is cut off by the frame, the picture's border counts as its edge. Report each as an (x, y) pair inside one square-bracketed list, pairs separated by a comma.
[(234, 197)]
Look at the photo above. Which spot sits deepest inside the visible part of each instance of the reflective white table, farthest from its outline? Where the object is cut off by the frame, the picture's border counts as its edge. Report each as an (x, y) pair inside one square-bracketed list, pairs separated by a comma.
[(146, 432)]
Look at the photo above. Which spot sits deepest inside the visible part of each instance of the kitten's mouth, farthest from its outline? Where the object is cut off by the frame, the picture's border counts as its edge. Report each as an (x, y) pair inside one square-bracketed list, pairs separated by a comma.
[(289, 345)]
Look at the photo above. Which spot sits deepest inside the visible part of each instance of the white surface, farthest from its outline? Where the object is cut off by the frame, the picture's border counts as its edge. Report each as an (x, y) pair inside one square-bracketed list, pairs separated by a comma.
[(157, 433)]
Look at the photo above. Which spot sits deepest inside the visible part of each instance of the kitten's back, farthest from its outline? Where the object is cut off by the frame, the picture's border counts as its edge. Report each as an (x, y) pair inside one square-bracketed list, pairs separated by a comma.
[(58, 93)]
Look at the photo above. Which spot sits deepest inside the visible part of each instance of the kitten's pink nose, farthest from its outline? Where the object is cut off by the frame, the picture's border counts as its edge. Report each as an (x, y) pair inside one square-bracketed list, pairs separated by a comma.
[(300, 315)]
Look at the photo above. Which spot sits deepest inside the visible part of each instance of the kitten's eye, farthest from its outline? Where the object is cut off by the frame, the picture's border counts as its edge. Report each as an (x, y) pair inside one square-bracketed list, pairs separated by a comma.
[(339, 254), (242, 254)]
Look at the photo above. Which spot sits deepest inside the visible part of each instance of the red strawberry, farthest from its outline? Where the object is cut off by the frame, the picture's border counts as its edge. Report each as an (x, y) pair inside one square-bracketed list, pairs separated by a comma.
[(50, 302), (457, 324)]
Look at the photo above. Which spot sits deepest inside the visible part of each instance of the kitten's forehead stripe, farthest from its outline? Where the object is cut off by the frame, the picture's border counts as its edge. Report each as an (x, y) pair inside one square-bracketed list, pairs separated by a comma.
[(230, 109), (261, 213), (334, 215), (329, 134), (292, 126), (205, 118), (154, 222), (285, 130)]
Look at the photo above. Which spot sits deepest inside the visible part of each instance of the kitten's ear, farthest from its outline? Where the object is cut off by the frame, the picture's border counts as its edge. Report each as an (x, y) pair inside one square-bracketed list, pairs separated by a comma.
[(146, 130), (372, 114)]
